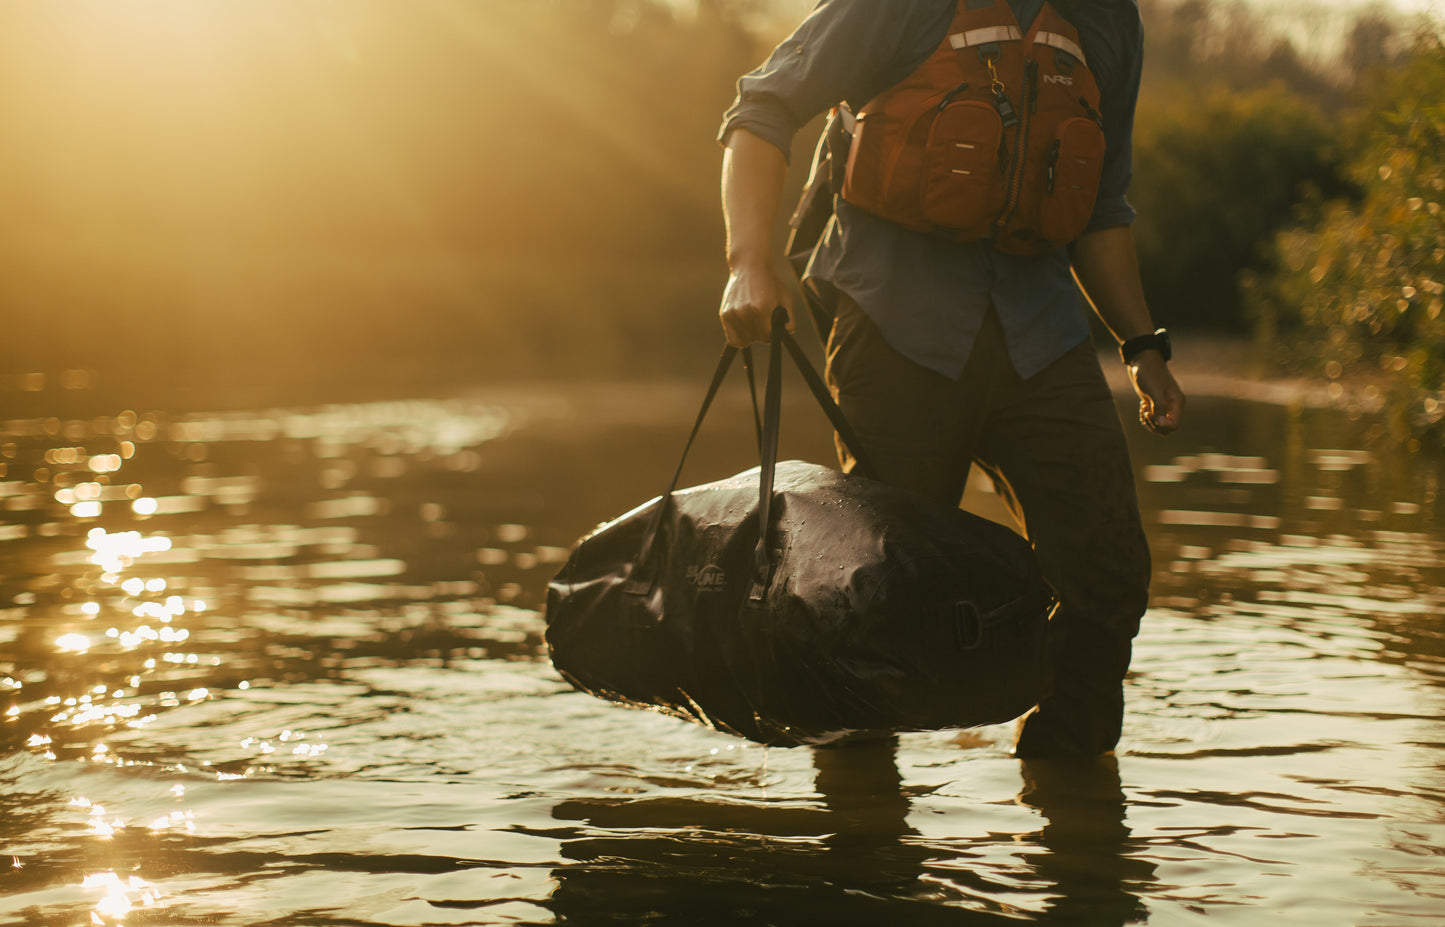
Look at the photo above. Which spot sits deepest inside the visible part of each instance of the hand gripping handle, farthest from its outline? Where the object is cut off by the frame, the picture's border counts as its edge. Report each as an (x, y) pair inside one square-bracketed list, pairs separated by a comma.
[(643, 576)]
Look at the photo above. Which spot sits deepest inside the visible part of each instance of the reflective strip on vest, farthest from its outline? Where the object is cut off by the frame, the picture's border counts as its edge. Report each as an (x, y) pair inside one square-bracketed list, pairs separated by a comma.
[(1061, 42), (986, 36)]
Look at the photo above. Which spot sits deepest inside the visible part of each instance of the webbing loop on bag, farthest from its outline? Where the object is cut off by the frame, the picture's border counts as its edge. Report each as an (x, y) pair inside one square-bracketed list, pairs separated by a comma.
[(643, 577)]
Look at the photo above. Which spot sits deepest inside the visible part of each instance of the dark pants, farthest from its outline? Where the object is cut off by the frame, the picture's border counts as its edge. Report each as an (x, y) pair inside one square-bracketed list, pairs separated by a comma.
[(1055, 450)]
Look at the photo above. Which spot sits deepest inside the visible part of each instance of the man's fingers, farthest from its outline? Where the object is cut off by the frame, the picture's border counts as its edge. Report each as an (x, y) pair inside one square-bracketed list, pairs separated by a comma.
[(747, 307), (792, 318), (1163, 417), (1161, 401), (744, 324), (734, 328)]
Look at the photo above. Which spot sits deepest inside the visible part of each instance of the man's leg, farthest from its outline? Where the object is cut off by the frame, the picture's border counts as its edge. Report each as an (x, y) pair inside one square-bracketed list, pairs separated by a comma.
[(913, 422), (1056, 450), (1057, 454)]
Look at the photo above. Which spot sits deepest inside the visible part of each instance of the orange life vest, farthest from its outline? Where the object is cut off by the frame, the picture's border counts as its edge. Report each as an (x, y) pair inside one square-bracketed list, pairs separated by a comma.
[(996, 136)]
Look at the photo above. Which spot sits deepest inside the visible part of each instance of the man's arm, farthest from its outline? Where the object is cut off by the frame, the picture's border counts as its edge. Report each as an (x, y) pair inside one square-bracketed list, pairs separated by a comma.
[(1108, 270), (752, 190)]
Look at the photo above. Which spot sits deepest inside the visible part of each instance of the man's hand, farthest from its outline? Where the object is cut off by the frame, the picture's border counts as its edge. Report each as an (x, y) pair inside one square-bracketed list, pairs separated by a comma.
[(752, 293), (1161, 401)]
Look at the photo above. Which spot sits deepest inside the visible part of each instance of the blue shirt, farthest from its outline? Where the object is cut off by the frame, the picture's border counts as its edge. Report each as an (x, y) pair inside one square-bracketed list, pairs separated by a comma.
[(929, 296)]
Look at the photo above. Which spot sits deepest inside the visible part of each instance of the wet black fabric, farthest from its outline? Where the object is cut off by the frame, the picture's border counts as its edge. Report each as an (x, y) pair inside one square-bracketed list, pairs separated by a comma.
[(870, 608), (1056, 453)]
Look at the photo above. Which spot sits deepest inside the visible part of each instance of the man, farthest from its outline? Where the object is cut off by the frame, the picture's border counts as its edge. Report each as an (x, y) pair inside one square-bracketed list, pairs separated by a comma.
[(944, 353)]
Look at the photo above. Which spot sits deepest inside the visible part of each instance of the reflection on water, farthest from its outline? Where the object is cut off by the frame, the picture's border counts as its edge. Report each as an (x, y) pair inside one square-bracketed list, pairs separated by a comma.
[(286, 667)]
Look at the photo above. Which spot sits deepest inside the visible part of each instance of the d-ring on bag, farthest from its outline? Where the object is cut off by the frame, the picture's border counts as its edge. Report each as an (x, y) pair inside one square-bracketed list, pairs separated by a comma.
[(794, 604)]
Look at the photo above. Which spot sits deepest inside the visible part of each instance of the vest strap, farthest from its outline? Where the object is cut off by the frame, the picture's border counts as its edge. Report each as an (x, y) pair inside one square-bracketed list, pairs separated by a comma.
[(986, 36), (1061, 42)]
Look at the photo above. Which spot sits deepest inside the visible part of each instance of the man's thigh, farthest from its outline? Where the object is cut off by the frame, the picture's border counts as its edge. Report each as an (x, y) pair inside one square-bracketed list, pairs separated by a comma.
[(909, 418), (1057, 446)]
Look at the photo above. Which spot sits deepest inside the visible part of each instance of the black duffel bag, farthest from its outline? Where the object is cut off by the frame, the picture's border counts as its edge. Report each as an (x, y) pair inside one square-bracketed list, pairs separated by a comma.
[(868, 609)]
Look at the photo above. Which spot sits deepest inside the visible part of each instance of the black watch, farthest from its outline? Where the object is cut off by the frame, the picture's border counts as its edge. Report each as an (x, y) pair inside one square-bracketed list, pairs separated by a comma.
[(1158, 340)]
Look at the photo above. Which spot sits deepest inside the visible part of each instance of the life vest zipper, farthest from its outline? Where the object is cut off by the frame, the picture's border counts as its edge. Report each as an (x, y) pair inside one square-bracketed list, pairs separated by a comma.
[(948, 97), (1016, 167)]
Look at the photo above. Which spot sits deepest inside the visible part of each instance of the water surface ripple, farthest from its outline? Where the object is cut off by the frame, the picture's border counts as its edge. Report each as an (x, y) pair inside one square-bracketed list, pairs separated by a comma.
[(286, 667)]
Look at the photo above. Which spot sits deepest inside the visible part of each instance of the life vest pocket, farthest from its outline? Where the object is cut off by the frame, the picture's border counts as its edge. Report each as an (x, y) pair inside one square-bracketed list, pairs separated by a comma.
[(863, 180), (962, 191), (1074, 163)]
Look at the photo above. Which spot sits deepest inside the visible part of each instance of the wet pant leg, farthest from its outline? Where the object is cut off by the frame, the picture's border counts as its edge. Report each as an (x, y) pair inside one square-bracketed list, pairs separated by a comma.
[(1056, 451)]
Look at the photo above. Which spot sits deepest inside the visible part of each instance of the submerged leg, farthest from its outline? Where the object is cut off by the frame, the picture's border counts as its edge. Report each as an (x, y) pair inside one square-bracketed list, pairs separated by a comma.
[(1057, 452)]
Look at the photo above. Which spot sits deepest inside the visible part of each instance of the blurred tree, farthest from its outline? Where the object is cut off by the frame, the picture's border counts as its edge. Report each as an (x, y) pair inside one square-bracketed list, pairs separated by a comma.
[(1217, 172), (1238, 126), (1200, 44), (1361, 283), (1373, 42)]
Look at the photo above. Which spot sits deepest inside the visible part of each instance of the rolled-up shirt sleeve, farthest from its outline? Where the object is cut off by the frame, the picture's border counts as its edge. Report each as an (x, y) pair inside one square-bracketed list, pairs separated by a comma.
[(1119, 96), (844, 50)]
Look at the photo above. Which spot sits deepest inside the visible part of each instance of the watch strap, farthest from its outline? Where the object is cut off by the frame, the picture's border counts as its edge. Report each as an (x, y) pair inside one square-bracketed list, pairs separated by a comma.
[(1157, 340)]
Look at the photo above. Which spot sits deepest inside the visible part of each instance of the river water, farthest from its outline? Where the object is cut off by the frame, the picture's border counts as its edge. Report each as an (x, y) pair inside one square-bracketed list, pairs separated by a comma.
[(286, 667)]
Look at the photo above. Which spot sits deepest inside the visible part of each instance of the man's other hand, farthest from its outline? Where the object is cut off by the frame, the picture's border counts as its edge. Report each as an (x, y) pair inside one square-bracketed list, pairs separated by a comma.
[(1161, 401)]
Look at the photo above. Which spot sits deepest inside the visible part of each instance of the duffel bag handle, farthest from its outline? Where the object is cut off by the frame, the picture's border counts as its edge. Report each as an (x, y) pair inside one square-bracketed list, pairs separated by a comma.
[(820, 392), (643, 578)]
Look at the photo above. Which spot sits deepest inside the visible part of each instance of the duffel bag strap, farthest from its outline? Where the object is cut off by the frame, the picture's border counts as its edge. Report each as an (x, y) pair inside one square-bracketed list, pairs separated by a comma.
[(720, 374), (753, 392), (825, 399), (772, 425), (642, 578)]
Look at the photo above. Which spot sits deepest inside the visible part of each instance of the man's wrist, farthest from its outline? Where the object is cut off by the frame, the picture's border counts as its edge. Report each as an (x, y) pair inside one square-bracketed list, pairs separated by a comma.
[(1157, 340), (746, 260)]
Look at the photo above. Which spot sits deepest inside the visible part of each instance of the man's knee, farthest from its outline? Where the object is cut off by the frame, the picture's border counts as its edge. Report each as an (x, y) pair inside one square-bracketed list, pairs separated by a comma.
[(1103, 582)]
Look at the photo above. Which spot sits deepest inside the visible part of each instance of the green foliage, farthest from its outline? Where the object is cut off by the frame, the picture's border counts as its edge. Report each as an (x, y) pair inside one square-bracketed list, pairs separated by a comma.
[(1217, 172), (1361, 285)]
